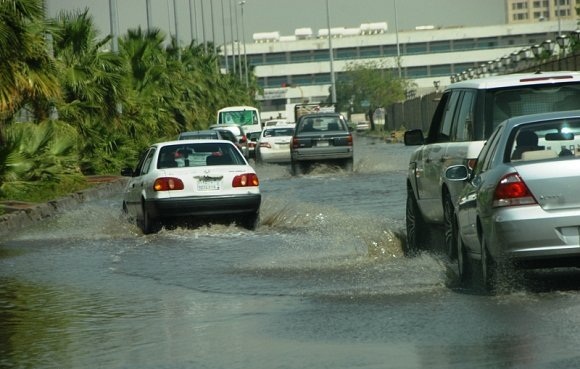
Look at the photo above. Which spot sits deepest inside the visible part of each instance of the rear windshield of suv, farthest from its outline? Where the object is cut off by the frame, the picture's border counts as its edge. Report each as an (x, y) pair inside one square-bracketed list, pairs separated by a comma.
[(321, 124), (511, 102)]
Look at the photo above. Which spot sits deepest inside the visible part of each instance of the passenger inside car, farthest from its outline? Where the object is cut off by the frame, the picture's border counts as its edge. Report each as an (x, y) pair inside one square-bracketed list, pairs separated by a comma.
[(526, 141)]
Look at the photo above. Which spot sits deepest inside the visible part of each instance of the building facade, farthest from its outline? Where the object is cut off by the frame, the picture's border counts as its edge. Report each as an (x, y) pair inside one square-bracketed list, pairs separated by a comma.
[(297, 68), (526, 11)]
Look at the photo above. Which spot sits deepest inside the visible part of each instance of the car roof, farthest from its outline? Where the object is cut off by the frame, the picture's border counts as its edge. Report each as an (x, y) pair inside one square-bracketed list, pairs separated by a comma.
[(183, 142), (518, 79), (200, 132), (523, 119)]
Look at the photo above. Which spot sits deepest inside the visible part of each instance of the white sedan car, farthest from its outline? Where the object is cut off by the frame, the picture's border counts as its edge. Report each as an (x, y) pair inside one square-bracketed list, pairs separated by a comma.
[(188, 179), (273, 146)]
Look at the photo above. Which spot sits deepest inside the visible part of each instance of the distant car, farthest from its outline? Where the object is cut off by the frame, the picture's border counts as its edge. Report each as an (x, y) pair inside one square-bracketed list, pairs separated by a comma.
[(200, 135), (362, 126), (239, 133), (321, 138), (252, 143), (275, 122), (191, 179), (274, 144), (521, 205)]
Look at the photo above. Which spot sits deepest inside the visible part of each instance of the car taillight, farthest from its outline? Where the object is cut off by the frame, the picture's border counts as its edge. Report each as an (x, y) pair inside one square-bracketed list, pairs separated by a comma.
[(245, 180), (168, 184), (265, 144), (244, 139), (512, 191), (295, 142)]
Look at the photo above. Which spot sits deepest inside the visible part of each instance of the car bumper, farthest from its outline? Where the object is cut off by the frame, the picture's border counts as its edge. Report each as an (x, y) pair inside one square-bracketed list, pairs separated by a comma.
[(203, 206), (321, 155), (275, 157), (531, 235)]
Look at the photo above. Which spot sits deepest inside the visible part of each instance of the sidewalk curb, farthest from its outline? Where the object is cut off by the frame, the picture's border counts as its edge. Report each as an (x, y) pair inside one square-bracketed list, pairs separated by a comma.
[(29, 215)]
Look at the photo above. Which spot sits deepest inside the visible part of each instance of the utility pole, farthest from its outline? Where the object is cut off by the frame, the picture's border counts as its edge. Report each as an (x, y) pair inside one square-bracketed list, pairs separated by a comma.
[(331, 54)]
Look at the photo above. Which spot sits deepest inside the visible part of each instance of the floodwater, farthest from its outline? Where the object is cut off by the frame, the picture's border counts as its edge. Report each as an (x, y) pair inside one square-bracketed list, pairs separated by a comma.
[(321, 283)]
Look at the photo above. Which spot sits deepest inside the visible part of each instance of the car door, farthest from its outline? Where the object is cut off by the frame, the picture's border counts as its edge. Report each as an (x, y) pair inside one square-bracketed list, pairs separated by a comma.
[(467, 203), (431, 164), (136, 183)]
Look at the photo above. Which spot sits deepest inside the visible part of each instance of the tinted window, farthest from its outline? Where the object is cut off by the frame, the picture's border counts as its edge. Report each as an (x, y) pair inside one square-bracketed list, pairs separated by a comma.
[(447, 122), (464, 125), (505, 103), (196, 154)]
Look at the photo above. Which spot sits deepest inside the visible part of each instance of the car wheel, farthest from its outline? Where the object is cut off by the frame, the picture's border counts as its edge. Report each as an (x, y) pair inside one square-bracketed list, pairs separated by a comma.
[(295, 168), (250, 221), (463, 261), (148, 224), (488, 268), (417, 229), (348, 165), (450, 227)]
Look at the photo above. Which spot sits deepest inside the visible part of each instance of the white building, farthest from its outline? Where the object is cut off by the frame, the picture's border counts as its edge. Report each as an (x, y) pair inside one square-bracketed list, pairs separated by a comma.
[(297, 68)]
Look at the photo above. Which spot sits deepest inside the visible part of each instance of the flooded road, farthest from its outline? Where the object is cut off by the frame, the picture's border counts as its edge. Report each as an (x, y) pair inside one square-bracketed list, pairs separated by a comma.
[(321, 283)]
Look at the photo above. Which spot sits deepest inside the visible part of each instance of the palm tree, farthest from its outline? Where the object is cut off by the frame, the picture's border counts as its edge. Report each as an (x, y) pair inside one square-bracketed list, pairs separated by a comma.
[(27, 71), (37, 160), (93, 88)]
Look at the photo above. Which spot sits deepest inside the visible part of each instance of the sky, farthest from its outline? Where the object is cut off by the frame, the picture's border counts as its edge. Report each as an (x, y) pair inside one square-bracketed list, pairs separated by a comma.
[(283, 16)]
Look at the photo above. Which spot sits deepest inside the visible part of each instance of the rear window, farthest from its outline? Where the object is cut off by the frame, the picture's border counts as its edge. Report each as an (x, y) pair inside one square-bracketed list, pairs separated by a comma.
[(194, 154), (315, 124), (502, 104), (551, 140), (274, 132)]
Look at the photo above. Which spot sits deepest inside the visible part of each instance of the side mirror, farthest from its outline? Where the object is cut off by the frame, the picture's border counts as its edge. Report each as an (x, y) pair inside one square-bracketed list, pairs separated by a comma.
[(127, 172), (457, 173), (414, 137)]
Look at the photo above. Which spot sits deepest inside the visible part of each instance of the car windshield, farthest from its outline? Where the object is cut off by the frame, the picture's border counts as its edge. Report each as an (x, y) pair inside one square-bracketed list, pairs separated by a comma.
[(546, 141), (202, 154)]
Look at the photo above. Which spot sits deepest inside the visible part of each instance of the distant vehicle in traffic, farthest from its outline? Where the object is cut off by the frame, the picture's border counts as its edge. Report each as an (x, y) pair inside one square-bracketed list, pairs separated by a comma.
[(234, 133), (191, 179), (321, 138), (252, 143), (362, 126), (274, 144), (200, 135), (520, 205), (246, 116)]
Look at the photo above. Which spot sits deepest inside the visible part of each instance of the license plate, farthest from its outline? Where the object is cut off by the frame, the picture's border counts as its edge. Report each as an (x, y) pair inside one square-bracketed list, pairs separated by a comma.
[(208, 185), (322, 143)]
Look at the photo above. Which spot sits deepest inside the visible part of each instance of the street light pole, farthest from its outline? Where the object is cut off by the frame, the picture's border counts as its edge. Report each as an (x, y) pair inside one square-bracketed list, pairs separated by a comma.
[(203, 28), (238, 44), (397, 40), (331, 54), (232, 37), (114, 25), (225, 41), (242, 3)]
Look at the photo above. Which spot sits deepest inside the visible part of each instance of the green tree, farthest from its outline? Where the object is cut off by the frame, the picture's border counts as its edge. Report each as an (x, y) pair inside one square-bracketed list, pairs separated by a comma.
[(367, 86), (93, 87), (27, 71), (39, 160)]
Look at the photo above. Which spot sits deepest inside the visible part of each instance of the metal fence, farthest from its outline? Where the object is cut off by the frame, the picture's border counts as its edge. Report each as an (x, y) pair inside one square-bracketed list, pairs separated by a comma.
[(417, 112)]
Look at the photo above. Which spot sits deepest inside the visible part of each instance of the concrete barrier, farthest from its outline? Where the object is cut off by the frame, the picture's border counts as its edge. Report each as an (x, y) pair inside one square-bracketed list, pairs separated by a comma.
[(23, 215)]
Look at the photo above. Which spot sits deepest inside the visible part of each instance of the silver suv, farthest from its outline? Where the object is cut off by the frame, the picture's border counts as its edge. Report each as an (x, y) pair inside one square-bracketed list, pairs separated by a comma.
[(464, 118), (321, 138)]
